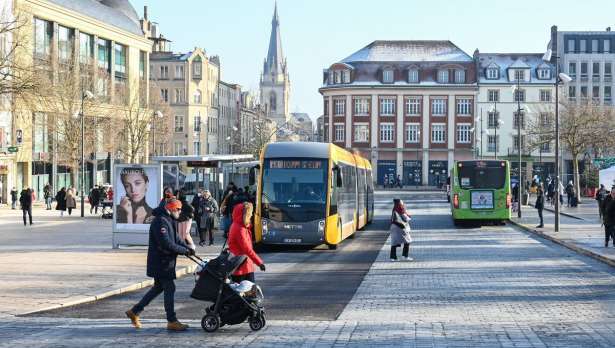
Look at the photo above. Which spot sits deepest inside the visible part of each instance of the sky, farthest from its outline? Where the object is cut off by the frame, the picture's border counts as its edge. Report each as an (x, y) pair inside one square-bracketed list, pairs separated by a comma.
[(318, 33)]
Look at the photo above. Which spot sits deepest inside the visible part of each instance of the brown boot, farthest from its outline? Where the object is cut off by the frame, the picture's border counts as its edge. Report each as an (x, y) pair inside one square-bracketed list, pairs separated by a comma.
[(176, 326), (133, 318)]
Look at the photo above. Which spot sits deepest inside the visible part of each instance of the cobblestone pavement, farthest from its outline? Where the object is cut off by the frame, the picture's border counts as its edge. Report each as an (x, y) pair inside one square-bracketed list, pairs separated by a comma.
[(487, 287)]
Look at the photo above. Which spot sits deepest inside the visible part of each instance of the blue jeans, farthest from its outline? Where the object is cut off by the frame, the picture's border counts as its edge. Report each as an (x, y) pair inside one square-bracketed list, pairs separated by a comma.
[(165, 285), (48, 202)]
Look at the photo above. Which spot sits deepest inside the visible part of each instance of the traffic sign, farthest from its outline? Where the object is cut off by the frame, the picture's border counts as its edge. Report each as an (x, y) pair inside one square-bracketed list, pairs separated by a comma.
[(13, 149)]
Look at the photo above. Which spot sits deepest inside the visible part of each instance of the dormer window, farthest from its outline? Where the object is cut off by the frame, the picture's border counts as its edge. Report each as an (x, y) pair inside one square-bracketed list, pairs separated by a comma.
[(544, 73), (493, 73), (413, 76), (387, 76), (519, 75), (443, 76), (338, 76), (460, 76), (346, 76), (331, 77)]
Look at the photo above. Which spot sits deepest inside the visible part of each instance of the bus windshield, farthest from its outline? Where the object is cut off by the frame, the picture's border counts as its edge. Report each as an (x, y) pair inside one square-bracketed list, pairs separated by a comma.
[(294, 190), (482, 175)]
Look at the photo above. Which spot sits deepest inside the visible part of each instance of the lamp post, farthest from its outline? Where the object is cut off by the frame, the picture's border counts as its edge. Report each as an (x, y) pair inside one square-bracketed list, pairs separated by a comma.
[(418, 148), (517, 95), (156, 114), (496, 126), (84, 95)]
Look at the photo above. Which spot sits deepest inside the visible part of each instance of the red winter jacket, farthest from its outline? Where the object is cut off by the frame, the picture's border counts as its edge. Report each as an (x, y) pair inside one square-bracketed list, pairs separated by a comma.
[(240, 241)]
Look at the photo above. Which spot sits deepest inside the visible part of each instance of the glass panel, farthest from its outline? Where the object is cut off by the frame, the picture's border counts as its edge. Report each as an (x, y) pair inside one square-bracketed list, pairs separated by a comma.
[(482, 175)]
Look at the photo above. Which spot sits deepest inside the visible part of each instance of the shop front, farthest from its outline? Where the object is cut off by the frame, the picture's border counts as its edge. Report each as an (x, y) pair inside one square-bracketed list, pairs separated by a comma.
[(438, 173), (413, 173), (387, 169)]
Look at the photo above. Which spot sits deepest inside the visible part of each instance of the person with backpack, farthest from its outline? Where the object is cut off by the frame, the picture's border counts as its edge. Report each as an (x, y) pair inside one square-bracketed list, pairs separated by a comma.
[(25, 199)]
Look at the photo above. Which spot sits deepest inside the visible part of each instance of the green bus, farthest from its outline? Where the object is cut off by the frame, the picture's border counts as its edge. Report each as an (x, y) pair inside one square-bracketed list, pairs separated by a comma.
[(480, 191)]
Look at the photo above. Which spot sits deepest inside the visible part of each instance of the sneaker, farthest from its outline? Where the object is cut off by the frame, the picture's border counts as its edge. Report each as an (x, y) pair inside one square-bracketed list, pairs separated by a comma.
[(393, 260), (408, 258), (134, 319), (176, 326)]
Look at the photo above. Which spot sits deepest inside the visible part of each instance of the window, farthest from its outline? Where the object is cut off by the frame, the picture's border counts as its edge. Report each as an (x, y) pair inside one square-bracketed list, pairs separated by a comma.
[(197, 122), (596, 93), (339, 106), (438, 107), (571, 45), (331, 77), (545, 95), (413, 106), (273, 104), (179, 149), (608, 73), (596, 71), (519, 75), (120, 60), (339, 132), (387, 76), (572, 92), (361, 132), (544, 73), (346, 76), (65, 44), (179, 71), (595, 46), (607, 46), (572, 70), (86, 48), (493, 73), (179, 95), (494, 95), (607, 94), (43, 31), (197, 148), (164, 72), (583, 91), (197, 67), (413, 132), (198, 99), (413, 76), (361, 106), (387, 132), (179, 123), (492, 143), (493, 120), (338, 76), (545, 146), (519, 95), (40, 132), (326, 107), (443, 76), (583, 46), (387, 106), (142, 59), (104, 54), (464, 106), (164, 95), (516, 143), (438, 133), (583, 70), (545, 119), (460, 76), (518, 118), (464, 133)]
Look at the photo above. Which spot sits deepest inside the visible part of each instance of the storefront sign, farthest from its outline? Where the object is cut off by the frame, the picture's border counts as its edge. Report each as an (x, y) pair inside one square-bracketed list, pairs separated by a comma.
[(13, 149)]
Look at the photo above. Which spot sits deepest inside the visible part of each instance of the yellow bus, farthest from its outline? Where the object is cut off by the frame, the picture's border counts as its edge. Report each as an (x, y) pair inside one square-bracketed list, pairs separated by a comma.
[(311, 194)]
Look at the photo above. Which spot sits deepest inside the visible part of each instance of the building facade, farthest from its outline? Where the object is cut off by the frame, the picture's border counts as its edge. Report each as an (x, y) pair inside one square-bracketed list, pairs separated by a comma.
[(301, 124), (275, 82), (516, 90), (7, 159), (187, 83), (99, 46), (228, 117), (409, 106)]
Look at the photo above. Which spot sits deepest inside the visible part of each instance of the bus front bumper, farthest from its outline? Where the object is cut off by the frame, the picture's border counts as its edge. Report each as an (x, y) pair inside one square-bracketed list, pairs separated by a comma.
[(295, 233)]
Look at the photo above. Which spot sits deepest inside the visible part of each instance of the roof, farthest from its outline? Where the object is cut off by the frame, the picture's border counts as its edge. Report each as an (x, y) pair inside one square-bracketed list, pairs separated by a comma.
[(504, 61), (118, 13), (297, 149), (274, 63), (409, 51)]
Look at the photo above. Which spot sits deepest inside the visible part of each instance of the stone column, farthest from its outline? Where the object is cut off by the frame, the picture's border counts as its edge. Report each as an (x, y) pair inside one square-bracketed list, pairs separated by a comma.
[(425, 139), (399, 120), (348, 122), (451, 132)]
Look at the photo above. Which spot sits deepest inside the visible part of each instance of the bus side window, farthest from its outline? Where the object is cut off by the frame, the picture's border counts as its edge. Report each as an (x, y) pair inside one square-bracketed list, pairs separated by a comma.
[(333, 199)]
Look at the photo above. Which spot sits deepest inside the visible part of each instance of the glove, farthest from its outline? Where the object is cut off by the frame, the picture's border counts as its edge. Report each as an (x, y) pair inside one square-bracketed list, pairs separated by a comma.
[(190, 252), (262, 267)]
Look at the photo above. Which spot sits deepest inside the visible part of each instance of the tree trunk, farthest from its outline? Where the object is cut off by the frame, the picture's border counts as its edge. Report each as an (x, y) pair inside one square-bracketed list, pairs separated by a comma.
[(577, 182)]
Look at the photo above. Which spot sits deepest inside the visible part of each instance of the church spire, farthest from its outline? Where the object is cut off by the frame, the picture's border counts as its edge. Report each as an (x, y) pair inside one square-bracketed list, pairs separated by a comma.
[(275, 59)]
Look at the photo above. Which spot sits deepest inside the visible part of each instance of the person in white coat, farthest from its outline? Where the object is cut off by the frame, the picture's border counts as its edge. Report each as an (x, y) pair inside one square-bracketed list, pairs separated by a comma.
[(400, 230)]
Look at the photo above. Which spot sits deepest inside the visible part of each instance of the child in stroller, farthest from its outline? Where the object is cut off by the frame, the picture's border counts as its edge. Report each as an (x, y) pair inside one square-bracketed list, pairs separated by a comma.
[(232, 303)]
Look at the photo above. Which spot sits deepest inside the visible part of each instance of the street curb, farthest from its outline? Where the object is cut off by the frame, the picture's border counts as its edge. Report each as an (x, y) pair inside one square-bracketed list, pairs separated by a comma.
[(565, 214), (571, 246), (126, 289)]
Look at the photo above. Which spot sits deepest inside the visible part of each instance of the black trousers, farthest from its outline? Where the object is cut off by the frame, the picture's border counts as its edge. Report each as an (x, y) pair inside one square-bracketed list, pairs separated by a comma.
[(166, 285), (540, 216), (404, 253), (70, 210), (609, 233), (239, 279), (29, 212)]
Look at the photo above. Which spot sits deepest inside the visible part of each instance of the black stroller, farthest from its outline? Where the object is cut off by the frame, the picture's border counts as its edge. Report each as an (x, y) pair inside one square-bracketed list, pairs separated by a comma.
[(229, 307)]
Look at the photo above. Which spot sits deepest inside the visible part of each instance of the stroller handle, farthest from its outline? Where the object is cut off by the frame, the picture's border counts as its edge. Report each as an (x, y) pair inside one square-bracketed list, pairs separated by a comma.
[(195, 259)]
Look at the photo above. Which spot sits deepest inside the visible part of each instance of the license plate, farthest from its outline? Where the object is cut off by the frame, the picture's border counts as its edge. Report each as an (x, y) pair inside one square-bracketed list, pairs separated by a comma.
[(292, 240)]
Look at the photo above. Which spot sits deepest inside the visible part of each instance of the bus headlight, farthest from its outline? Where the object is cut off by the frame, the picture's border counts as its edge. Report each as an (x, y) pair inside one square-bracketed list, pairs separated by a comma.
[(265, 229)]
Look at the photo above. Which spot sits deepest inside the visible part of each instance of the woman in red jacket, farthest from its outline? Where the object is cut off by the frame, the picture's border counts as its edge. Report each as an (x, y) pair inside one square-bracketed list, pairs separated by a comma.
[(240, 242)]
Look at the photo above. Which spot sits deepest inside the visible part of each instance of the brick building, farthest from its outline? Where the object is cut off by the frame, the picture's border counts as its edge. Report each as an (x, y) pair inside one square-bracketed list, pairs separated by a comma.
[(409, 106)]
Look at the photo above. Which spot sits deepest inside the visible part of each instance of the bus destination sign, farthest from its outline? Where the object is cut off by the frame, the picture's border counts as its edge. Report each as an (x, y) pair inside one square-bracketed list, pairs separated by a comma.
[(295, 164)]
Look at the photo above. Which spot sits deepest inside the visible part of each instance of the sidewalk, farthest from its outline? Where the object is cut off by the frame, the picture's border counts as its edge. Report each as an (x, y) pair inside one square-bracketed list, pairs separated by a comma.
[(586, 210), (580, 229), (62, 261)]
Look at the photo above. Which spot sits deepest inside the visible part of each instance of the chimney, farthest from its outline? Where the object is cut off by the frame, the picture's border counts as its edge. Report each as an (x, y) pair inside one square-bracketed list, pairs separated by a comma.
[(608, 28), (145, 12)]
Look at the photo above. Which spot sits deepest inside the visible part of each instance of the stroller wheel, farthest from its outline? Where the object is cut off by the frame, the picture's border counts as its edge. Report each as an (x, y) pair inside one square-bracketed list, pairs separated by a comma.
[(210, 323), (257, 323)]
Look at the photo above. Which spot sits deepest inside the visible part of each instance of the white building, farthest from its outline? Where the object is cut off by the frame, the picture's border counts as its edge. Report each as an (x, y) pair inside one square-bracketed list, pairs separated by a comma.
[(498, 102)]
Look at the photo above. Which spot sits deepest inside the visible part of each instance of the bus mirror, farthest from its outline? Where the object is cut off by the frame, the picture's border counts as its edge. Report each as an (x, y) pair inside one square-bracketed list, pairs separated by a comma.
[(339, 182)]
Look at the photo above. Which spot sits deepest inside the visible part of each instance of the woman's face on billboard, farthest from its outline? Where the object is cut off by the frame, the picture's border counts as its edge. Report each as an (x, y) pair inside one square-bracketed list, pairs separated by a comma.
[(135, 187)]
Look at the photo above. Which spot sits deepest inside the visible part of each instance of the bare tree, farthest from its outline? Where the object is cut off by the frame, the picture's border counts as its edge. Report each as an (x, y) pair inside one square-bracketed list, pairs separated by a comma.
[(265, 131)]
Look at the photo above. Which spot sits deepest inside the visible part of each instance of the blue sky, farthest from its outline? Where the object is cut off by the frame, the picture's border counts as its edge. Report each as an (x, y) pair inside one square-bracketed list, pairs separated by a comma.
[(317, 33)]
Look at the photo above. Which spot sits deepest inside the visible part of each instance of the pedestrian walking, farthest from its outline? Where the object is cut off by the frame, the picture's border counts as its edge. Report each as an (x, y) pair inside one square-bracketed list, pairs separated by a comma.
[(560, 191), (48, 195), (540, 205), (164, 246), (25, 200), (196, 203), (608, 217), (240, 243), (61, 201), (184, 222), (386, 181), (399, 182), (208, 208), (569, 193), (226, 207), (601, 195), (13, 199), (551, 191), (71, 201), (400, 230)]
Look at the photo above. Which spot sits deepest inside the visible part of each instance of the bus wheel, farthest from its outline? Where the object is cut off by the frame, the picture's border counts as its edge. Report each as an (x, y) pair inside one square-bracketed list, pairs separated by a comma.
[(332, 246)]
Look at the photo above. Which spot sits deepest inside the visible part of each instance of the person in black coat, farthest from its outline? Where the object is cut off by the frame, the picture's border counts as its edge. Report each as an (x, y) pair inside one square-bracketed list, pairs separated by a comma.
[(608, 217), (164, 246), (25, 199), (61, 201), (540, 205), (13, 199)]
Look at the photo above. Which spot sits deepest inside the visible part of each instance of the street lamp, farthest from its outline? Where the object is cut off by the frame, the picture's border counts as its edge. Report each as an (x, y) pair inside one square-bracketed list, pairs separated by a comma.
[(496, 125), (156, 114), (559, 78), (517, 95), (84, 95)]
